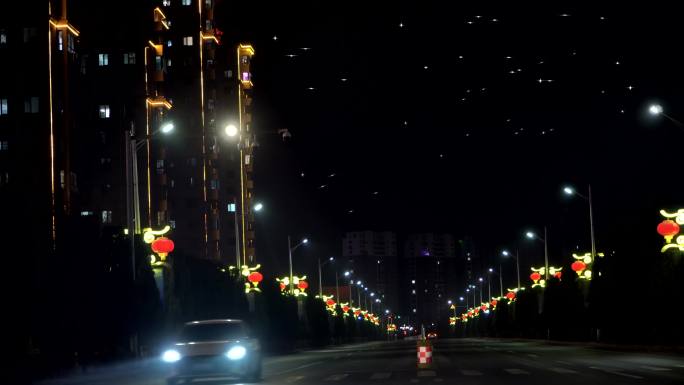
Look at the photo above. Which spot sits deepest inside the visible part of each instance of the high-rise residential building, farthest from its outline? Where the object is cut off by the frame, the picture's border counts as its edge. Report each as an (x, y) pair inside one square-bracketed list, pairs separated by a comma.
[(373, 258), (429, 276)]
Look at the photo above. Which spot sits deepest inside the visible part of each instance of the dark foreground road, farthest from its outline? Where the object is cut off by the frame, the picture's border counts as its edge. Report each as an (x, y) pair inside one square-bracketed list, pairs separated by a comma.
[(456, 361)]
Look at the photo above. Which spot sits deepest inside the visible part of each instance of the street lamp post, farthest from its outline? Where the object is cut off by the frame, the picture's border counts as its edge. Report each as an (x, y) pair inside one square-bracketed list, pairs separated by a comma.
[(532, 235), (505, 253), (320, 275), (571, 191), (290, 249)]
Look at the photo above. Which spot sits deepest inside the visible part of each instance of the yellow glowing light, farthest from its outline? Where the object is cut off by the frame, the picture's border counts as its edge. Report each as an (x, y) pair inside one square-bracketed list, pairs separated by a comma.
[(210, 37), (158, 48), (53, 232), (678, 216), (297, 291), (159, 11), (163, 22), (159, 102), (149, 235), (63, 24)]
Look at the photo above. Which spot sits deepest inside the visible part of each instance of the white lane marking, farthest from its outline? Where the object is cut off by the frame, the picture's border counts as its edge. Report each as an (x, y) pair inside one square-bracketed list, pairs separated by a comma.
[(655, 368), (563, 370), (516, 371), (294, 378), (337, 377), (680, 366), (298, 367), (533, 355), (616, 372), (471, 373), (380, 376), (426, 373)]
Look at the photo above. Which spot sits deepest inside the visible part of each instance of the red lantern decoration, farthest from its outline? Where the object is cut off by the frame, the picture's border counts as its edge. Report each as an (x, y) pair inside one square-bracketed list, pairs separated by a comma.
[(345, 308), (330, 303), (510, 295), (255, 277), (494, 302), (668, 228), (302, 285), (578, 266), (558, 274), (282, 286), (483, 307), (162, 246), (535, 276)]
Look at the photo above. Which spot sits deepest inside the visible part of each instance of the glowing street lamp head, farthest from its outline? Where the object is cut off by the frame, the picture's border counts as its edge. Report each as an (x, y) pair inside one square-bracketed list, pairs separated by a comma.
[(346, 274), (529, 234), (258, 207), (166, 128), (480, 279), (655, 109), (460, 299), (305, 241), (491, 270), (331, 259), (449, 302), (568, 190), (231, 130), (505, 253)]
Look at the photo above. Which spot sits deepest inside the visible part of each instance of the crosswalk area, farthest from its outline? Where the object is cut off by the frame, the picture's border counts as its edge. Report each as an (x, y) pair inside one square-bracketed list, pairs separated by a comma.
[(440, 375)]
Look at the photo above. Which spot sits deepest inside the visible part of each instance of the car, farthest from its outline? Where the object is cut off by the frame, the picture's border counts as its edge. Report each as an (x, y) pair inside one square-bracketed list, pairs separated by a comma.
[(214, 348)]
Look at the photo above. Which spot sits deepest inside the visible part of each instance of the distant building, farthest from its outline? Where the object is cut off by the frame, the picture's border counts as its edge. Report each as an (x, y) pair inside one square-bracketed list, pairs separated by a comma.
[(429, 275), (373, 258)]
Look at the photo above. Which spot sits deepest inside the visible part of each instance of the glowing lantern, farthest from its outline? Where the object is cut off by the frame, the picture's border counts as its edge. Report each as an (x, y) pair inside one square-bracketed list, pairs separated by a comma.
[(345, 309), (535, 277), (558, 275), (255, 277), (578, 267), (510, 295), (493, 303), (282, 286), (668, 229), (302, 285), (483, 307), (330, 302)]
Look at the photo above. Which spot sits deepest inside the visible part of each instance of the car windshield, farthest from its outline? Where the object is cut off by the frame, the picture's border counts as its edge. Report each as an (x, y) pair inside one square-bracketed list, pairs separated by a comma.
[(212, 332)]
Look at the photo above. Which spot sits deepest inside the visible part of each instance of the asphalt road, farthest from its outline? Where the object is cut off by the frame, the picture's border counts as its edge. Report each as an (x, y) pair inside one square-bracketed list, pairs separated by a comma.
[(456, 361)]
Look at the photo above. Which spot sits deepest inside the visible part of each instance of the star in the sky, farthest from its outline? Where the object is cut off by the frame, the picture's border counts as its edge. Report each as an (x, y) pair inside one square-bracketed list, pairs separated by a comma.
[(331, 175), (302, 174), (343, 79), (310, 88), (425, 67), (275, 37), (305, 48), (401, 25), (322, 186), (291, 55), (630, 87)]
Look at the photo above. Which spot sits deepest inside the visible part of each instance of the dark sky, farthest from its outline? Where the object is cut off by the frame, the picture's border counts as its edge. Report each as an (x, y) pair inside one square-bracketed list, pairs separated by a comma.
[(420, 116)]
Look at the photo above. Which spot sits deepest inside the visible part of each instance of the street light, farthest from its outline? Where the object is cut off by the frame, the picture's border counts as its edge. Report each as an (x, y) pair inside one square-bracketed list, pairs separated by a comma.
[(570, 191), (532, 235), (258, 207), (231, 130), (320, 275), (506, 253), (290, 249), (655, 109), (166, 128)]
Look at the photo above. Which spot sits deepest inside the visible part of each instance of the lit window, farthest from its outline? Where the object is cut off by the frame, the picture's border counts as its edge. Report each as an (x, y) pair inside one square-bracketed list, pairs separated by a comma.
[(166, 3), (3, 106), (106, 216), (3, 36), (187, 2), (168, 63), (103, 59), (169, 43), (71, 44), (158, 63), (187, 40), (104, 111), (129, 58), (207, 2), (86, 213), (4, 145), (31, 105), (60, 40), (172, 224), (160, 163)]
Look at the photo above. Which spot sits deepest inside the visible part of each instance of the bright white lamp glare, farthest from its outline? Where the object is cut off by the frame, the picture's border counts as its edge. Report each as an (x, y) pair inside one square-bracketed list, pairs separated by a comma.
[(569, 190), (258, 207), (168, 127), (171, 356), (305, 240), (655, 109), (236, 353), (505, 253), (231, 130), (529, 234)]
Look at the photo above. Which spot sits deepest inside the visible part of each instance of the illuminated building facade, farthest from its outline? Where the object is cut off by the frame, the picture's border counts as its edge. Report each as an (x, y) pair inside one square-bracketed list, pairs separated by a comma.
[(429, 273)]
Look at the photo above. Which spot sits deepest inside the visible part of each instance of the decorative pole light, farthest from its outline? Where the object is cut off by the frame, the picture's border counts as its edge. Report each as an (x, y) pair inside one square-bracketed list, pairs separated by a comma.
[(670, 228), (655, 109), (231, 130), (162, 246)]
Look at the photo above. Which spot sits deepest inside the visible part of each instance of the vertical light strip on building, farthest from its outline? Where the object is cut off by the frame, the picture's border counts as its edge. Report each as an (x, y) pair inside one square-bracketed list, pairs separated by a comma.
[(148, 145), (204, 152), (52, 136), (242, 175)]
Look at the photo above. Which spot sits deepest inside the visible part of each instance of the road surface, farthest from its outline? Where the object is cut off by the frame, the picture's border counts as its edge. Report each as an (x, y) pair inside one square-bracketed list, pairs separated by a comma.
[(456, 361)]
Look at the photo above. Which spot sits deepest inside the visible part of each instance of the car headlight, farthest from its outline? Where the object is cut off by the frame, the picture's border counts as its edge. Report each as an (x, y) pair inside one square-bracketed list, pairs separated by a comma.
[(171, 356), (236, 353)]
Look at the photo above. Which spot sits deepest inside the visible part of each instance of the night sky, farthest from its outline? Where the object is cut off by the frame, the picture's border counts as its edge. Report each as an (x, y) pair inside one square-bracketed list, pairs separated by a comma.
[(418, 116)]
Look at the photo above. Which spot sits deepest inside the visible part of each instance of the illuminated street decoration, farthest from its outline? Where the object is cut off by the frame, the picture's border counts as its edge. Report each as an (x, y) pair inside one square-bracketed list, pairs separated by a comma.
[(329, 302), (452, 321), (253, 278), (538, 273), (511, 296), (391, 328), (299, 283), (160, 245), (345, 308), (670, 228), (493, 303), (582, 265)]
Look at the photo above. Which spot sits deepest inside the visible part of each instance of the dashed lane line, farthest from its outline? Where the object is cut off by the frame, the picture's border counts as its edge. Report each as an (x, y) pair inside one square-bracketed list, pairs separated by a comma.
[(516, 371)]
